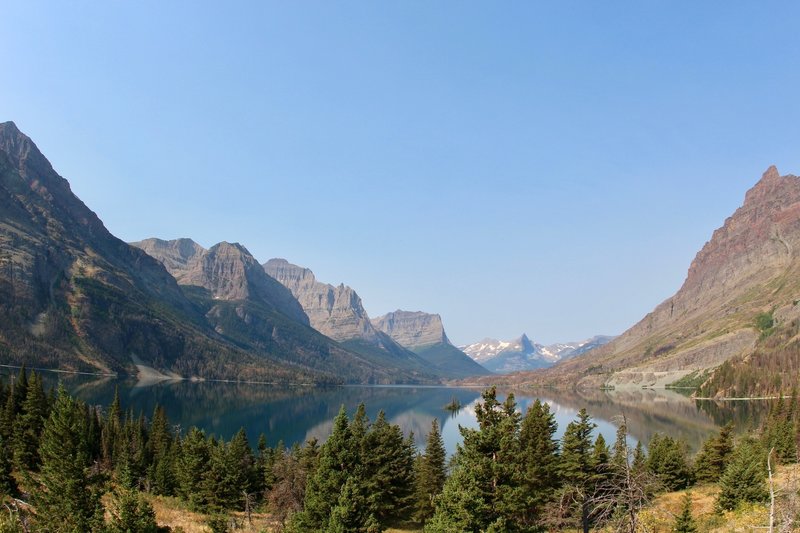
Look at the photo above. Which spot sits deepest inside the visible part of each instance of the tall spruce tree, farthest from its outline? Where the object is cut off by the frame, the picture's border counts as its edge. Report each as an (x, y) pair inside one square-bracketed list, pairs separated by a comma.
[(485, 491), (67, 500), (190, 464), (8, 485), (388, 471), (539, 460), (577, 465), (28, 425), (430, 473), (337, 459)]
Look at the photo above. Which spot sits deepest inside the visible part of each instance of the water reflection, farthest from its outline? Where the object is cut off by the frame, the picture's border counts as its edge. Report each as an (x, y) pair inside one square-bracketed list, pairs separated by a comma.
[(295, 414)]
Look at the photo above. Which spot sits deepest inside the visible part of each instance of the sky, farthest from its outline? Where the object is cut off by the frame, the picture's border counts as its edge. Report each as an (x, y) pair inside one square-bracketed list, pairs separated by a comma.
[(541, 167)]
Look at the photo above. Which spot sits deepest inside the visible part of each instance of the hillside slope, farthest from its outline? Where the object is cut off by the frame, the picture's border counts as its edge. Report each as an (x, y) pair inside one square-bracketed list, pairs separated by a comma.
[(749, 269)]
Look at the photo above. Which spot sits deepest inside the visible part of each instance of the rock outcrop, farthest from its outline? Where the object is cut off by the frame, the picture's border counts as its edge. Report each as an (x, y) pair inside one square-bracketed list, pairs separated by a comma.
[(412, 329), (334, 311), (423, 334), (227, 270)]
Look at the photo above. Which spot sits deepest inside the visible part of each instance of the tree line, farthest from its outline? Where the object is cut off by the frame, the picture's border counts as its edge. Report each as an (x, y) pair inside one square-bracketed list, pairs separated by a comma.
[(59, 456)]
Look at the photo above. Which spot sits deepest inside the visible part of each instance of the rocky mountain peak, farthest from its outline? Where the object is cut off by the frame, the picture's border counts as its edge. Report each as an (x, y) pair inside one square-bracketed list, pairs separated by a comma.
[(412, 329), (227, 270), (335, 311)]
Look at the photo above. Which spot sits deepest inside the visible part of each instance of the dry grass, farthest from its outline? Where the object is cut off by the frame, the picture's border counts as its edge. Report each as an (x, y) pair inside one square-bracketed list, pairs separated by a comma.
[(171, 512)]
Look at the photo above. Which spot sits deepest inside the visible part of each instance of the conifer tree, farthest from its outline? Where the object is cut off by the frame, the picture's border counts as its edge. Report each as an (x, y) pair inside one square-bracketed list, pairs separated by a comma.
[(600, 460), (668, 459), (430, 473), (353, 511), (539, 461), (337, 460), (487, 467), (130, 513), (577, 466), (191, 462), (743, 479), (28, 425), (684, 522), (8, 485), (388, 470), (714, 455), (66, 501)]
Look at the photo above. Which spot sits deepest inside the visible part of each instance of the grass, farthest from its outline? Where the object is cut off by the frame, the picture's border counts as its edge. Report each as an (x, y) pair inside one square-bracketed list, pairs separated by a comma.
[(173, 513)]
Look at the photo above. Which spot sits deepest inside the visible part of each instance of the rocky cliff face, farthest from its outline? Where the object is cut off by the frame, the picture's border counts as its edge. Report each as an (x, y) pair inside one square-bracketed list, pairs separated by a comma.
[(423, 334), (227, 270), (749, 266), (73, 296), (412, 329), (334, 311)]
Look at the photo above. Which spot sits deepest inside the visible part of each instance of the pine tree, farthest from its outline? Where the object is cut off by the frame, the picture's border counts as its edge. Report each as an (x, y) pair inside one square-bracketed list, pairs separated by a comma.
[(28, 425), (600, 461), (430, 473), (352, 512), (66, 501), (577, 466), (487, 465), (743, 479), (539, 459), (684, 522), (190, 463), (8, 485), (714, 455), (130, 513), (337, 460), (668, 459)]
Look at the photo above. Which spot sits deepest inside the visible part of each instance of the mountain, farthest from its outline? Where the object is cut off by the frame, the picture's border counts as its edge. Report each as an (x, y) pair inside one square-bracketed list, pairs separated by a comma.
[(244, 304), (733, 323), (337, 312), (522, 354), (74, 297), (227, 270), (423, 334)]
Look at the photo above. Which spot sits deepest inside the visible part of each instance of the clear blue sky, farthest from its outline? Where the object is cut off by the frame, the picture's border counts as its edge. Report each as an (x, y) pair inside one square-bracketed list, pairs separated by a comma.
[(549, 168)]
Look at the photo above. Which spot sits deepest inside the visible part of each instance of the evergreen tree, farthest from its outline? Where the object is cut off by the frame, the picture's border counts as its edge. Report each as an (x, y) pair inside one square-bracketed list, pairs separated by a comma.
[(487, 465), (577, 465), (130, 513), (388, 470), (600, 461), (539, 460), (159, 454), (66, 500), (336, 460), (714, 455), (743, 479), (352, 512), (668, 459), (8, 485), (28, 425), (684, 522), (191, 462), (639, 462), (430, 473)]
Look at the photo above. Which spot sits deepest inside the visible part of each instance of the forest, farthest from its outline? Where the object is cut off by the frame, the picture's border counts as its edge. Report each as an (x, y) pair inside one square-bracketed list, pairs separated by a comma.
[(66, 466)]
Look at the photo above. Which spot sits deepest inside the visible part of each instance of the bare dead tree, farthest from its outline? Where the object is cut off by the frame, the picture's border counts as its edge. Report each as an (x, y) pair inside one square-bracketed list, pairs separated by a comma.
[(618, 500)]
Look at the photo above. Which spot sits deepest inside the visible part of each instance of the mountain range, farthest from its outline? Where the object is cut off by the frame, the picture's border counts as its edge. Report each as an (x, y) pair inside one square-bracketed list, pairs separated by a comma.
[(74, 297), (732, 329), (522, 354)]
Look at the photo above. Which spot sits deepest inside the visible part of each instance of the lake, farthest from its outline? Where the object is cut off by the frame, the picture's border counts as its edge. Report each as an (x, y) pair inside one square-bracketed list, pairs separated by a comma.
[(296, 414)]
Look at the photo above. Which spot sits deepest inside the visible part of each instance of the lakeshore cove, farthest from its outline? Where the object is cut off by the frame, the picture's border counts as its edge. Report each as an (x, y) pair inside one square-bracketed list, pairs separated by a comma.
[(295, 414)]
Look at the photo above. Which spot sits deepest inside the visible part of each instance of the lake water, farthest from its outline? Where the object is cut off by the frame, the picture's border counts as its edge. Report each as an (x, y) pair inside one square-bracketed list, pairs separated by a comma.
[(296, 414)]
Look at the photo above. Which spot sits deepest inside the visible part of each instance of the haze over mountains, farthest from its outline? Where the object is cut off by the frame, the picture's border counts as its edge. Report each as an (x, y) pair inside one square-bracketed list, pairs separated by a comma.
[(523, 354), (739, 307)]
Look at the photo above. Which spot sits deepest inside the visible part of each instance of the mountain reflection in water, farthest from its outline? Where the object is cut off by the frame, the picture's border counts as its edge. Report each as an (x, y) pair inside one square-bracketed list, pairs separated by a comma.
[(296, 414)]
